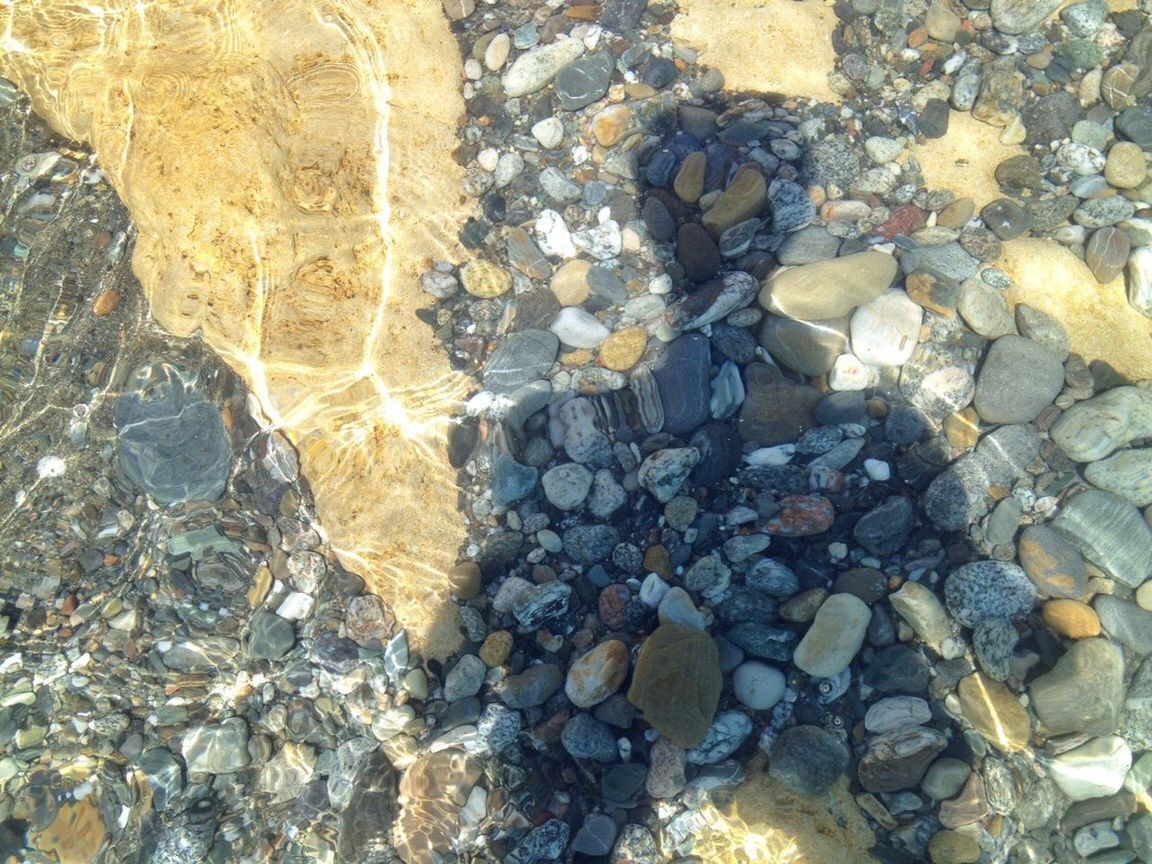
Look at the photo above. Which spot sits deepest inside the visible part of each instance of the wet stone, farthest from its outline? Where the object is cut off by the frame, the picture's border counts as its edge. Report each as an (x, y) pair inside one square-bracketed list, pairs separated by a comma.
[(885, 529), (1135, 125), (947, 259), (988, 589), (1109, 532), (682, 381), (807, 246), (1020, 172), (1106, 253), (808, 759), (898, 760), (270, 637), (220, 748), (590, 544), (1089, 666), (519, 359), (792, 209), (171, 442), (1052, 563), (985, 310), (1006, 219), (1102, 212), (697, 253), (1127, 474), (808, 347), (585, 737), (1125, 622), (1018, 380), (677, 683), (621, 15), (583, 81)]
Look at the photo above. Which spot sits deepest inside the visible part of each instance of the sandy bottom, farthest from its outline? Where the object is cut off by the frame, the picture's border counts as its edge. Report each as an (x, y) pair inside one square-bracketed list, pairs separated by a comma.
[(765, 46), (965, 159)]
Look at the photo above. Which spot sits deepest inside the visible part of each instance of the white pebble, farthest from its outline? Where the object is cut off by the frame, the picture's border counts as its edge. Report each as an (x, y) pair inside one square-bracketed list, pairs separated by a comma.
[(488, 158), (877, 470), (758, 685), (549, 132), (473, 71), (781, 454), (296, 606), (496, 54), (578, 328), (652, 590), (50, 466)]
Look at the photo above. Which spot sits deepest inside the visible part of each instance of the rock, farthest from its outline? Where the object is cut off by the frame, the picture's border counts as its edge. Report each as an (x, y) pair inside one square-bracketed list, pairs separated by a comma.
[(1018, 380), (776, 410), (270, 637), (1006, 219), (808, 245), (1135, 125), (945, 778), (808, 759), (952, 847), (171, 441), (1092, 770), (1052, 563), (1021, 16), (727, 733), (1042, 328), (664, 472), (1140, 280), (681, 376), (885, 330), (1051, 117), (807, 347), (834, 638), (578, 329), (1109, 532), (918, 605), (1091, 430), (896, 712), (1020, 172), (801, 516), (666, 764), (218, 748), (585, 737), (611, 124), (828, 289), (621, 15), (743, 199), (994, 712), (677, 683), (484, 279), (689, 181), (623, 349), (885, 529), (1001, 94), (511, 481), (947, 259), (583, 81), (595, 836), (792, 209), (1126, 167), (958, 496), (534, 69), (697, 253), (985, 310), (897, 669), (1126, 622), (1093, 666), (898, 760), (1127, 474), (758, 685), (988, 589), (590, 544), (520, 359), (566, 486), (1071, 618), (712, 301), (932, 291), (530, 688)]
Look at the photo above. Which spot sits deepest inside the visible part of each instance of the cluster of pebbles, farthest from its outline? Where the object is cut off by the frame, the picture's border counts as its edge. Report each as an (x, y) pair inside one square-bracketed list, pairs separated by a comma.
[(761, 467)]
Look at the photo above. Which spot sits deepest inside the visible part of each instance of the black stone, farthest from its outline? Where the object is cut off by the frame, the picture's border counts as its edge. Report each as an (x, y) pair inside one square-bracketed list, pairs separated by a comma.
[(622, 14), (934, 118), (682, 381)]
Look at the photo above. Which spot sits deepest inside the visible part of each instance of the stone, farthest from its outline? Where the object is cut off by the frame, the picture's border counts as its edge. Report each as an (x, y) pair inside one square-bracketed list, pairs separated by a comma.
[(483, 279), (712, 301), (583, 81), (1093, 429), (1106, 253), (808, 245), (697, 253), (897, 760), (1006, 219), (1042, 328), (757, 685), (1089, 665), (792, 209), (775, 410), (985, 309), (1127, 167), (952, 847), (585, 737), (993, 642), (885, 330), (1102, 212), (457, 10), (807, 347), (959, 495), (896, 712), (885, 529), (969, 807), (945, 778), (1018, 379), (170, 440), (918, 605), (808, 759), (666, 763), (530, 688), (623, 348), (828, 289), (1140, 280), (1001, 94), (689, 181), (1092, 770), (1111, 533), (994, 712), (217, 748), (942, 23), (742, 200), (577, 328), (270, 637), (933, 292), (988, 589), (535, 68), (729, 730), (621, 15), (1020, 173), (1135, 125), (1126, 474), (611, 124), (520, 359), (1052, 563), (596, 835), (682, 380), (677, 683), (834, 638), (590, 544), (1125, 622), (801, 516), (566, 486), (1051, 118)]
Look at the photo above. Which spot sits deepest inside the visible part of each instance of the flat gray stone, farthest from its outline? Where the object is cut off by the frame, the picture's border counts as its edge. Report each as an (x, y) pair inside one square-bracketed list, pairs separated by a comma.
[(1109, 532), (1018, 380), (1093, 666), (520, 359), (1126, 622)]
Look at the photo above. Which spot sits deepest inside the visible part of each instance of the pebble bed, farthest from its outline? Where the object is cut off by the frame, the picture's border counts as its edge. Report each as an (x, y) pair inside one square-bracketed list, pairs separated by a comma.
[(761, 469)]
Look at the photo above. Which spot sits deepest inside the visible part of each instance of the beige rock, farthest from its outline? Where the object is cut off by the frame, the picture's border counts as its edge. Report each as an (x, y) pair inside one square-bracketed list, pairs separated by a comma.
[(484, 279), (994, 712), (828, 289), (835, 636), (496, 648), (743, 199), (598, 674), (1126, 167), (689, 182), (611, 124), (570, 282), (1071, 618), (923, 611), (281, 224), (952, 847), (74, 836), (677, 682), (623, 348), (1144, 596)]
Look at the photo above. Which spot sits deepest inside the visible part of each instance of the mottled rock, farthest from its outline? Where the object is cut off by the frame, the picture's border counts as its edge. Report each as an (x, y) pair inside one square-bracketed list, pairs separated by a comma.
[(1052, 563), (898, 760), (808, 759), (988, 589), (677, 683)]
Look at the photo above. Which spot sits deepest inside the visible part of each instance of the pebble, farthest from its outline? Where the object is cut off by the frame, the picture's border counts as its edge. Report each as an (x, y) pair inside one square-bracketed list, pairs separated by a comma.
[(1140, 280), (742, 200), (270, 637), (988, 589), (1126, 474), (808, 759), (945, 778), (897, 760), (566, 486), (828, 289), (994, 712), (1088, 666), (583, 81), (918, 605), (483, 279), (1127, 167), (952, 847), (947, 259), (577, 328), (885, 529), (219, 748), (677, 683), (885, 330), (985, 310), (585, 737), (808, 347), (1052, 563), (665, 471), (534, 69), (801, 516), (1092, 770), (1125, 622), (834, 638), (758, 685), (1109, 532), (550, 133), (520, 359), (896, 712), (1093, 429), (1018, 380)]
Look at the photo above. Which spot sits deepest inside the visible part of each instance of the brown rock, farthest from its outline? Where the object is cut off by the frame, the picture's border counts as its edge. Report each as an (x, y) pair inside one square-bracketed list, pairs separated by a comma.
[(611, 124), (570, 282), (743, 199), (1071, 618), (932, 291), (776, 410), (962, 428), (995, 712), (598, 674), (457, 10), (465, 580), (898, 760), (1118, 86), (957, 214), (1052, 563), (951, 847), (689, 182), (828, 289), (677, 683), (971, 805), (496, 648), (106, 302)]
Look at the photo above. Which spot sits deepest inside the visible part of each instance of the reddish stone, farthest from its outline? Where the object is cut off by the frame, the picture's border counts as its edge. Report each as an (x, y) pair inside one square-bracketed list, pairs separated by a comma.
[(904, 219), (613, 601), (802, 516)]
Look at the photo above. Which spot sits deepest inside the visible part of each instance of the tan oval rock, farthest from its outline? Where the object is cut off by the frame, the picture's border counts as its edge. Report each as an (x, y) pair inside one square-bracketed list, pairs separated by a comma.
[(611, 124), (598, 674), (623, 349), (743, 199), (836, 634), (484, 279), (570, 282), (1071, 618), (828, 289)]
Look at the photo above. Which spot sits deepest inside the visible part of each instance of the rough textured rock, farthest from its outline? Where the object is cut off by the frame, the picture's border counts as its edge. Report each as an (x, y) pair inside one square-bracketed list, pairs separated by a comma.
[(277, 233), (677, 683), (1109, 532)]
